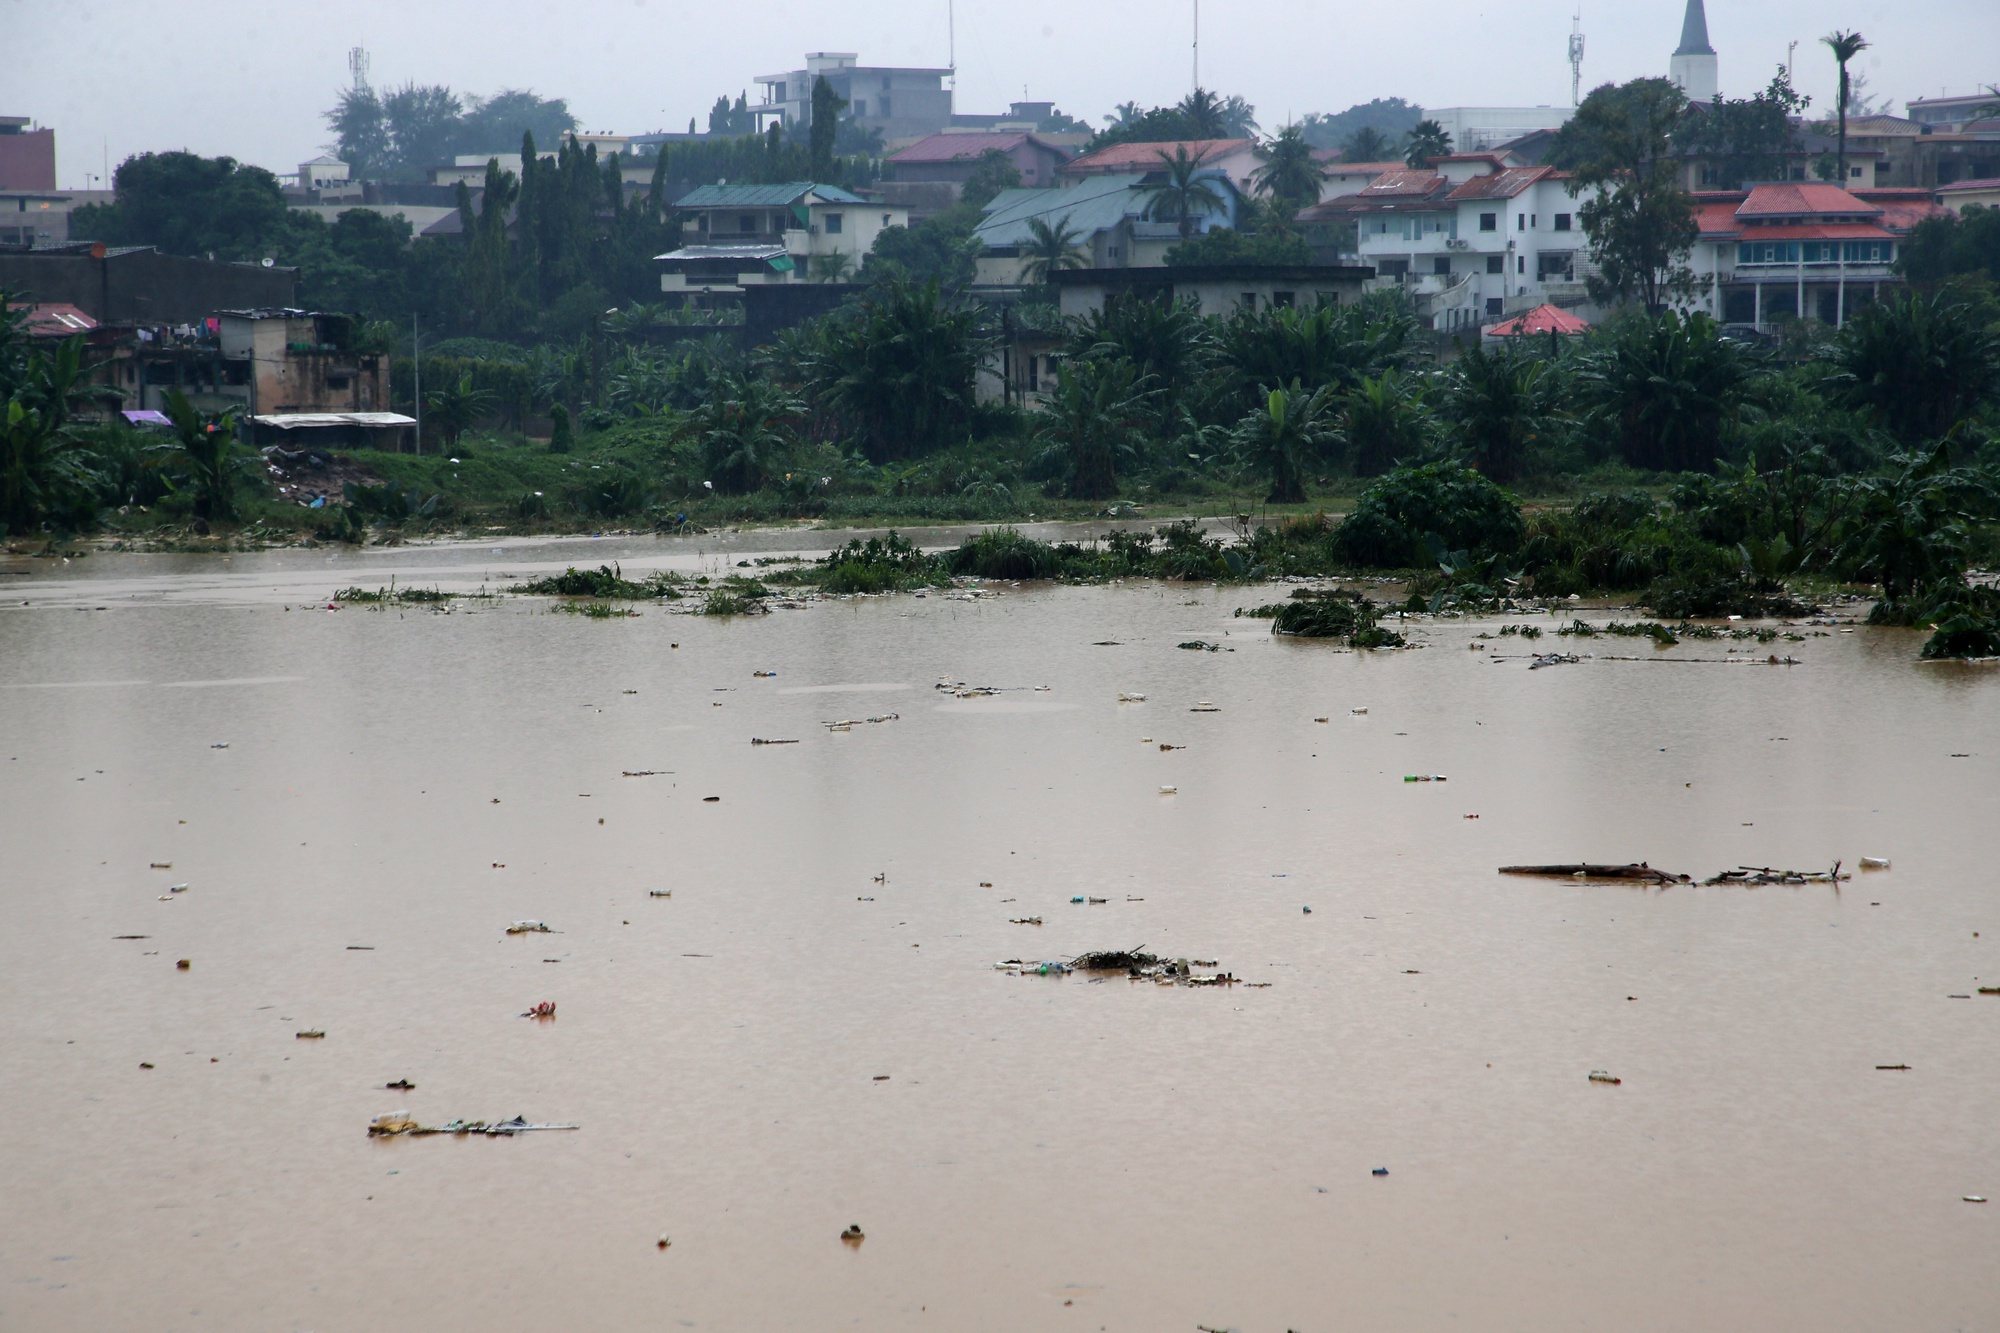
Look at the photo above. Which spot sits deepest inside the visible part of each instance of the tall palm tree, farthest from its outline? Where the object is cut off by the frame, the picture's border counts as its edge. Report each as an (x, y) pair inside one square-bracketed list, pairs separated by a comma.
[(1290, 174), (1186, 195), (454, 406), (1427, 139), (1845, 46), (1124, 114), (1287, 433), (1366, 144), (207, 446), (1202, 110), (1050, 250)]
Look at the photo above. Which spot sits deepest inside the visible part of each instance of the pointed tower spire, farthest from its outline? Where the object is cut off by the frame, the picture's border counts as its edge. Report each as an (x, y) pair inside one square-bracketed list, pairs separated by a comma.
[(1694, 32)]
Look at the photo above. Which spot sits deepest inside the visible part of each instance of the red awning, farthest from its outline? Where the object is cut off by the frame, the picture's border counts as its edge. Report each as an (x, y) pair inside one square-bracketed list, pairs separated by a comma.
[(1542, 319)]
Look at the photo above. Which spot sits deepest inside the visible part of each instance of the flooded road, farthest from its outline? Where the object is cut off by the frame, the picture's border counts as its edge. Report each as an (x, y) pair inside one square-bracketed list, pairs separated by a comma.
[(1045, 1152)]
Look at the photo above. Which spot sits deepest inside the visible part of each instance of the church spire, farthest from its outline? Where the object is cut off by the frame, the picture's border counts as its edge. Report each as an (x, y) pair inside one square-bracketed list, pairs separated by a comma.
[(1694, 32)]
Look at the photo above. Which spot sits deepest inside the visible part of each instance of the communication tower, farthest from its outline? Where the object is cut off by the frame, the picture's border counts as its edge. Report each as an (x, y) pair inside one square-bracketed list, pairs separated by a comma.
[(1576, 56), (357, 65)]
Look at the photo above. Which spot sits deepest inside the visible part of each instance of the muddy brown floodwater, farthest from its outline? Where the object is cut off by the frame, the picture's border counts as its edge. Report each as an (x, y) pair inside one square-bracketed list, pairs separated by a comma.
[(1045, 1152)]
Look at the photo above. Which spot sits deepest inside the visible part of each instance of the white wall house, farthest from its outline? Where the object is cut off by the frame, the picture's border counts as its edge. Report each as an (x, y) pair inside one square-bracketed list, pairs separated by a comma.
[(756, 235), (1472, 241)]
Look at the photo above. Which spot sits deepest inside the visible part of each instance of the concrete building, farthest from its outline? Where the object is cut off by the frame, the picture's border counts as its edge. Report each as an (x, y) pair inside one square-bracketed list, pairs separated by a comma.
[(300, 361), (1481, 129), (1952, 113), (954, 157), (1106, 214), (323, 173), (1471, 240), (1693, 65), (27, 156), (1220, 291), (894, 101), (1961, 195), (1800, 250), (754, 235)]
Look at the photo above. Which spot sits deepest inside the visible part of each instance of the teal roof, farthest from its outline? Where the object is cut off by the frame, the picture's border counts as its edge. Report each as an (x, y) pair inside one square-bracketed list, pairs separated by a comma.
[(765, 196), (1092, 205)]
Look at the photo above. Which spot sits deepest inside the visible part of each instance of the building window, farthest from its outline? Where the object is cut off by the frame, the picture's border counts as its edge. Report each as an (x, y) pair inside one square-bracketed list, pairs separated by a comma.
[(1283, 300), (861, 106), (1520, 263), (885, 104), (1248, 300), (1854, 172), (1489, 222), (1562, 222), (1441, 266), (746, 223), (1496, 263), (1520, 222), (833, 224), (1494, 306)]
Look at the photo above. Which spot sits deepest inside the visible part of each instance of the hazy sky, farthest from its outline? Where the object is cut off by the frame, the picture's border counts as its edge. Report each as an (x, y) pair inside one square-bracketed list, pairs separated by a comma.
[(251, 79)]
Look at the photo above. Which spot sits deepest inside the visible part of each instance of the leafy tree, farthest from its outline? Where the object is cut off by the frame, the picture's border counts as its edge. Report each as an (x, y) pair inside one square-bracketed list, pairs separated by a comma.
[(745, 432), (1845, 46), (939, 250), (1672, 383), (1293, 428), (361, 132), (1921, 365), (206, 446), (495, 124), (1747, 138), (1640, 221), (1366, 144), (899, 369), (561, 439), (1186, 195), (189, 205), (1325, 345), (1168, 342), (1427, 139), (1910, 530), (454, 406), (1096, 415), (1952, 244), (423, 125), (825, 126), (1500, 404), (1290, 174), (1050, 250), (1413, 514), (1391, 116), (992, 173), (1384, 422)]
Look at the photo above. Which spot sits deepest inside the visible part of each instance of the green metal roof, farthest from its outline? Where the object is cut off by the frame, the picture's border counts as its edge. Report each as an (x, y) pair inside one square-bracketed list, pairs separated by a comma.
[(765, 196)]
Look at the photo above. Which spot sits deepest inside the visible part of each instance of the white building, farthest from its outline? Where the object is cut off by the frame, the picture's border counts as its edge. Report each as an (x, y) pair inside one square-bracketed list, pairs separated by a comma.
[(756, 235), (1475, 129), (1693, 65), (1473, 241)]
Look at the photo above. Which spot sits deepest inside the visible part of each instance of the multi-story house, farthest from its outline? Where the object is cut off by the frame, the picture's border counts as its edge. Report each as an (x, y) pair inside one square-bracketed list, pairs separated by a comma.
[(756, 235), (1471, 238), (1800, 250), (896, 102)]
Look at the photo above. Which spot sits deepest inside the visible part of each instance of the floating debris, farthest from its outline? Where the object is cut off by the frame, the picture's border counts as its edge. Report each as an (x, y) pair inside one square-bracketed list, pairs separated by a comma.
[(310, 1034), (1754, 876), (1601, 1076), (546, 1009), (853, 1235), (401, 1122), (1874, 863), (659, 893), (1203, 646), (1541, 660), (1205, 707), (1025, 921), (1637, 870), (1893, 1068), (1425, 777), (643, 772), (529, 928), (1128, 697), (848, 724), (759, 740), (401, 1085)]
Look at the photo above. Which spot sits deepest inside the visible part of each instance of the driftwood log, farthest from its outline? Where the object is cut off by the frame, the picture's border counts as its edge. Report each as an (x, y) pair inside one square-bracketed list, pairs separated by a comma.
[(1638, 870)]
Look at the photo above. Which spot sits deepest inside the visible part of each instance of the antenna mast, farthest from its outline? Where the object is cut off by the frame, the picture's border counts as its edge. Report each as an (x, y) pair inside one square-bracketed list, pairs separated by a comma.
[(951, 40), (1197, 45), (1576, 56), (357, 65)]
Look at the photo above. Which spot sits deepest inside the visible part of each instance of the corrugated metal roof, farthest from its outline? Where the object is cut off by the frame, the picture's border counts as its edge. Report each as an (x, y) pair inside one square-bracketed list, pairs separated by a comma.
[(1123, 157), (750, 254), (313, 420), (1088, 207), (765, 196)]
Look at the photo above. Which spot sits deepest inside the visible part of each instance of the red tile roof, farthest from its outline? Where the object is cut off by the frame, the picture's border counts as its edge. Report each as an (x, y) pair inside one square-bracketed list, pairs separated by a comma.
[(1146, 156), (1987, 183), (1334, 164), (1886, 211), (1800, 199), (960, 147), (55, 319), (1542, 319)]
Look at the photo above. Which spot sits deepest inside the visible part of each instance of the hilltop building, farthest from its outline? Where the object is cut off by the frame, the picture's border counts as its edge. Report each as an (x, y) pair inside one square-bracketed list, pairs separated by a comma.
[(896, 102), (741, 236)]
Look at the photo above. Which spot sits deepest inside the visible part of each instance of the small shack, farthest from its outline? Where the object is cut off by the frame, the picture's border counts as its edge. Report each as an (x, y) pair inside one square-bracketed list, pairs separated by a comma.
[(390, 431)]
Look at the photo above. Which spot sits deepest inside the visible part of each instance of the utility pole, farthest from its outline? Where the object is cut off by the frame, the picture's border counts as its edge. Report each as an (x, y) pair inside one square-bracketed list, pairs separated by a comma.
[(417, 374), (1197, 45)]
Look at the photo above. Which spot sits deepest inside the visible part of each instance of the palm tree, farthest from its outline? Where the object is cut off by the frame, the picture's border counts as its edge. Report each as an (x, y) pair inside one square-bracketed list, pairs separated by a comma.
[(1845, 46), (453, 407), (1096, 414), (1050, 250), (745, 429), (1427, 139), (1186, 195), (1366, 144), (1500, 405), (831, 267), (1290, 172), (1385, 423), (1202, 111), (207, 445), (1124, 114), (1285, 434)]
